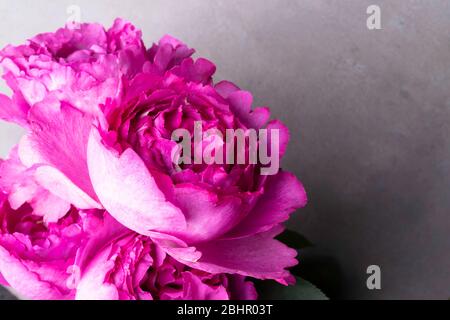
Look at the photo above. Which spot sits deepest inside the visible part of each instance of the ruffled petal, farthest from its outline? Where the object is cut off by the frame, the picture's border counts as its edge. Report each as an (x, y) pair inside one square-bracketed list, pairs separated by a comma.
[(27, 282), (92, 284), (12, 112), (283, 135), (283, 194), (21, 186), (195, 289), (259, 256)]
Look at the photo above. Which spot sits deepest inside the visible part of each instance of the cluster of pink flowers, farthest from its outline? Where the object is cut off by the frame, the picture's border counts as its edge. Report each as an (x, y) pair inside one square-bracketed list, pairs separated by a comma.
[(91, 206)]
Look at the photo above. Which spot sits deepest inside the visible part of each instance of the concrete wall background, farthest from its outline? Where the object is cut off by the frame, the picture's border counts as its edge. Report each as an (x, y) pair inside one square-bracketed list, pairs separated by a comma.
[(369, 113)]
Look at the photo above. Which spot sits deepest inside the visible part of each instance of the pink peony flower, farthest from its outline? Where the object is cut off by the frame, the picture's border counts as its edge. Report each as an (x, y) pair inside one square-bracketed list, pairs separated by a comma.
[(35, 257), (100, 137), (80, 66), (40, 234)]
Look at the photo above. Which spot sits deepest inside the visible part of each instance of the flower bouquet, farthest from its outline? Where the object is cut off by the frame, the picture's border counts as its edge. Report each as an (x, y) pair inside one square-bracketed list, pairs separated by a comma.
[(139, 177)]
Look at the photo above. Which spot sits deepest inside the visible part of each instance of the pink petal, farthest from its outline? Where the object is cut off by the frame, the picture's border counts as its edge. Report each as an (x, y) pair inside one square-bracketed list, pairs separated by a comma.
[(172, 41), (50, 207), (175, 247), (207, 215), (170, 52), (195, 289), (104, 232), (241, 105), (21, 186), (259, 117), (258, 256), (283, 194), (25, 281), (3, 281), (59, 135), (11, 111), (29, 154), (225, 88), (283, 135), (129, 192), (58, 184), (92, 285), (199, 71)]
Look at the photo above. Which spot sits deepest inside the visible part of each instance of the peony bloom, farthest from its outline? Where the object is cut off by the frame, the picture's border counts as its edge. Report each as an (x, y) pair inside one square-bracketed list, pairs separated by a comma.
[(213, 215), (80, 66), (40, 234), (100, 137), (35, 258)]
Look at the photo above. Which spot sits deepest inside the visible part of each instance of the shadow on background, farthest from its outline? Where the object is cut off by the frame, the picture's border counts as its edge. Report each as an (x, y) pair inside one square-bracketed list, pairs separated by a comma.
[(321, 270), (5, 294)]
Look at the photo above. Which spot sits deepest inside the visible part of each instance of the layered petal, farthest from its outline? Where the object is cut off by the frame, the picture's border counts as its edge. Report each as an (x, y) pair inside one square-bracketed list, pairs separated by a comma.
[(21, 186), (259, 256), (35, 258), (132, 267), (208, 216), (128, 191), (283, 136), (241, 105), (283, 194), (58, 141), (11, 111)]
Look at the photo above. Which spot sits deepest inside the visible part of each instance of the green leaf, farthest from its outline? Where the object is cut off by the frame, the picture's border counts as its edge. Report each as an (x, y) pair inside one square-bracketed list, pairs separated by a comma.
[(302, 290), (294, 239)]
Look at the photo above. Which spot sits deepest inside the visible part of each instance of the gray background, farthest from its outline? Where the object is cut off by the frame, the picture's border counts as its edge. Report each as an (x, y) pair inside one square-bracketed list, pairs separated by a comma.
[(368, 111)]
